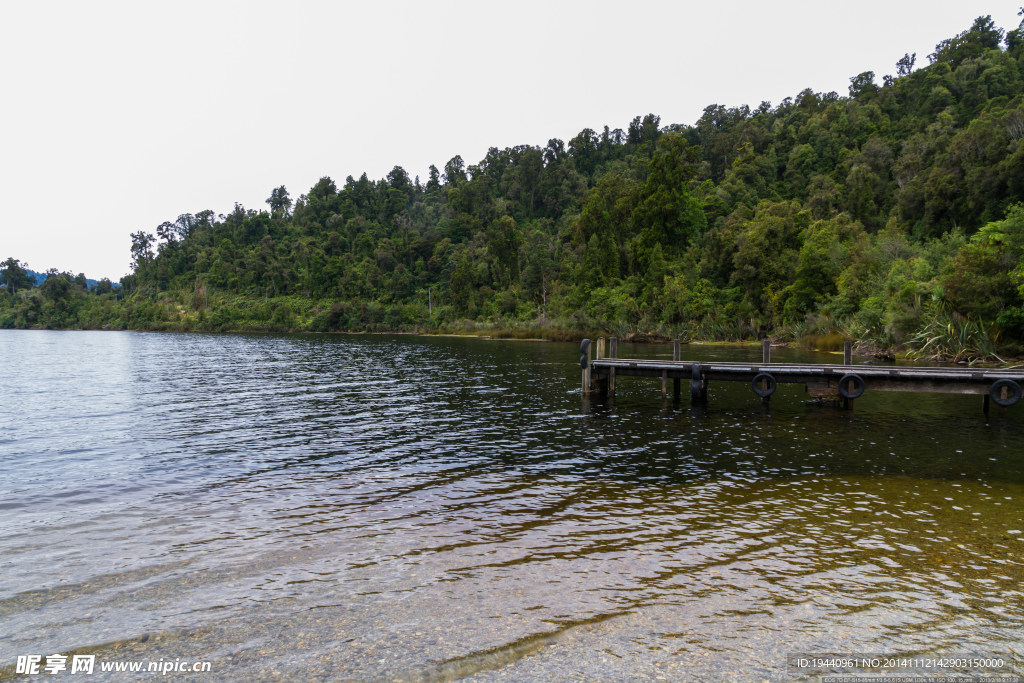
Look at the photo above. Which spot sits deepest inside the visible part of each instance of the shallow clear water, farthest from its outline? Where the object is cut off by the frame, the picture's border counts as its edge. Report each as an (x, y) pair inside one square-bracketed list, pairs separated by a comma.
[(376, 507)]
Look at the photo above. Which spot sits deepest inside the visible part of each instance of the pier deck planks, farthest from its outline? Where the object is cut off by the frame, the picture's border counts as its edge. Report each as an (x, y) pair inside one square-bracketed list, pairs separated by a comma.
[(904, 378)]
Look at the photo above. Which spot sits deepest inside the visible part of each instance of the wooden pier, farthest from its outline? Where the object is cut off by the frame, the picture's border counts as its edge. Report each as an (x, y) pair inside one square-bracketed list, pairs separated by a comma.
[(845, 382)]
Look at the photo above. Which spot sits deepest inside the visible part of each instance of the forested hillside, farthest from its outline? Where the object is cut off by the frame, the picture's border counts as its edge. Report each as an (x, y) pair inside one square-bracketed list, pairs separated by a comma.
[(891, 214)]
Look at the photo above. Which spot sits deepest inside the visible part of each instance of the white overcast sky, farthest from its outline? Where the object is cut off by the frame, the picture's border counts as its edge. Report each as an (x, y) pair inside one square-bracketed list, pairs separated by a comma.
[(116, 116)]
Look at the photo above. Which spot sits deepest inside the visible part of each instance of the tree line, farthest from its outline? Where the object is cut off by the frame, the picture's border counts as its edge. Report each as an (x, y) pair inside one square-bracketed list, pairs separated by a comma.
[(891, 214)]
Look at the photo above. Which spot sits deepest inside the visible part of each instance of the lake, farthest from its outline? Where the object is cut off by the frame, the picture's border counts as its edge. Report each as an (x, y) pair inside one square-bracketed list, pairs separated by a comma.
[(376, 507)]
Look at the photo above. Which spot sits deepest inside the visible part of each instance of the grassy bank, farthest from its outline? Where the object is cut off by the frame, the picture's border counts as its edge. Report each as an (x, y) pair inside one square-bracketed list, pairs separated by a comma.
[(940, 337)]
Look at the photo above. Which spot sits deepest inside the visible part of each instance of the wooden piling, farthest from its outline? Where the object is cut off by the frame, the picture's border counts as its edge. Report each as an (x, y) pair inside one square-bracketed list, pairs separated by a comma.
[(613, 352), (676, 355), (766, 351), (847, 353), (586, 370), (600, 349)]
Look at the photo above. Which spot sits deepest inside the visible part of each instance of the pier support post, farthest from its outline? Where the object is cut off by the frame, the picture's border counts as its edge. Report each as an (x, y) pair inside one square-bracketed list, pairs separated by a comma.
[(585, 364), (676, 354), (847, 360), (766, 351), (664, 383), (613, 352), (600, 349), (698, 384)]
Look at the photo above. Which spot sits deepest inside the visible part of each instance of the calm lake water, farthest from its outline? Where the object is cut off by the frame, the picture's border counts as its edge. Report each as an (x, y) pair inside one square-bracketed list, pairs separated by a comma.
[(410, 508)]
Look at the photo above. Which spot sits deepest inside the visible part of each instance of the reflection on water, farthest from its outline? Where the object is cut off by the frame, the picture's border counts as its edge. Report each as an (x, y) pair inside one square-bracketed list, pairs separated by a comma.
[(430, 509)]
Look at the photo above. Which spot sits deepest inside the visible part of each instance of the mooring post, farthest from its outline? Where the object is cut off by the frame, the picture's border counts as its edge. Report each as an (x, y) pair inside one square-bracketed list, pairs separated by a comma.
[(847, 353), (613, 352), (676, 354), (600, 349)]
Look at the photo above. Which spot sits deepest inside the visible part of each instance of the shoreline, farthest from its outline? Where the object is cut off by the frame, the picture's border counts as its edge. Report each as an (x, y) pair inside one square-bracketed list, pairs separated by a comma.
[(861, 349)]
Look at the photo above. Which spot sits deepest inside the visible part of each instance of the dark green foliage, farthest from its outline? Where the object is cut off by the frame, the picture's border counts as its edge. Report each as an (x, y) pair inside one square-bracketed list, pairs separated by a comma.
[(14, 275), (981, 36), (874, 215)]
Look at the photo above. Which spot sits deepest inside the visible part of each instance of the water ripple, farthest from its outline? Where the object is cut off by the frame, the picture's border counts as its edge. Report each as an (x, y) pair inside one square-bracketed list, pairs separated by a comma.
[(388, 507)]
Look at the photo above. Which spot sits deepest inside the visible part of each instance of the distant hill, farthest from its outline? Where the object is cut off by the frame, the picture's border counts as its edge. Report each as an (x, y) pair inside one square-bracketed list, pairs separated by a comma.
[(39, 278)]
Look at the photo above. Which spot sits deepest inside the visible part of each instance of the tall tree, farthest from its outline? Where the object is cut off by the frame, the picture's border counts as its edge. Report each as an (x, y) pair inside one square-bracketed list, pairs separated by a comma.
[(981, 36), (15, 275), (142, 249), (280, 203), (455, 171), (667, 213), (906, 64)]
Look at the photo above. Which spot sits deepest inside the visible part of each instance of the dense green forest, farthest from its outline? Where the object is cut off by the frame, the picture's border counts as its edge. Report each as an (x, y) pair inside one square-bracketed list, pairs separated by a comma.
[(892, 215)]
